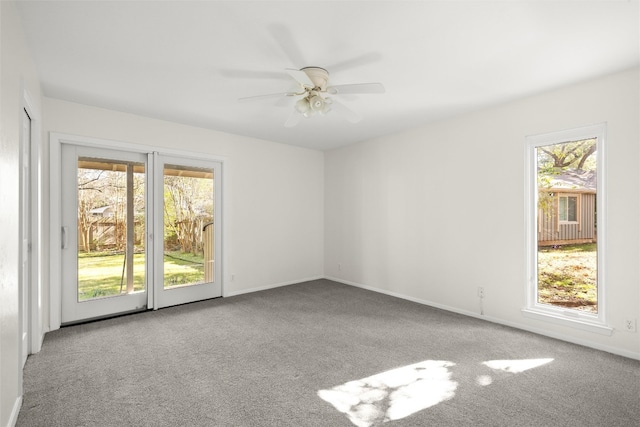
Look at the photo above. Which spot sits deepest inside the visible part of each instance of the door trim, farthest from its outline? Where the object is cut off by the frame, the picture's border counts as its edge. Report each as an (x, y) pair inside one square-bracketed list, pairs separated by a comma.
[(55, 209), (26, 237), (34, 326)]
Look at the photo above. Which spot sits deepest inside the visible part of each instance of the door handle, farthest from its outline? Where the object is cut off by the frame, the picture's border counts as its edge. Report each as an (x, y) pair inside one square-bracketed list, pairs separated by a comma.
[(65, 237)]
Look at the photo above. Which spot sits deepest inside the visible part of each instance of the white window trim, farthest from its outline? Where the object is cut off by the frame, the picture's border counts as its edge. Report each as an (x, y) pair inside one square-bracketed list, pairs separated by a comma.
[(595, 323)]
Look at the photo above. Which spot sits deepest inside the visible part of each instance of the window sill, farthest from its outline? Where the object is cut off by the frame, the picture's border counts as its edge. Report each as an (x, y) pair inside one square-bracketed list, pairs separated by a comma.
[(568, 318)]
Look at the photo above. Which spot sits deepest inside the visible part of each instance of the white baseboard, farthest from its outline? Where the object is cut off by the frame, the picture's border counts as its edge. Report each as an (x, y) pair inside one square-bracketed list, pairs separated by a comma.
[(13, 419), (560, 336), (275, 285)]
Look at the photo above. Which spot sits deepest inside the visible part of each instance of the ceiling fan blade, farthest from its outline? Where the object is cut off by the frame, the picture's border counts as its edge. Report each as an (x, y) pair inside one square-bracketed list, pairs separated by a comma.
[(287, 100), (293, 120), (288, 44), (346, 112), (364, 59), (266, 96), (251, 74), (356, 88), (301, 77)]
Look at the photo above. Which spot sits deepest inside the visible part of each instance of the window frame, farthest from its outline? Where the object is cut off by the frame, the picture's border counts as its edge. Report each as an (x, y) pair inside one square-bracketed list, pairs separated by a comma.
[(596, 323), (577, 208)]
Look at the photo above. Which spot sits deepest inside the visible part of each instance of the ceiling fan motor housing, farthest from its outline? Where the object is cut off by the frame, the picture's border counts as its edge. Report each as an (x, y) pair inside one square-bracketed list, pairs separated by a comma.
[(319, 76)]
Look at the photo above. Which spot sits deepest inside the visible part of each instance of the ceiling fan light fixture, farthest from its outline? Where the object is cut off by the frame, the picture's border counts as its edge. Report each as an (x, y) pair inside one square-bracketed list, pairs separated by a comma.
[(302, 106), (327, 106), (316, 103)]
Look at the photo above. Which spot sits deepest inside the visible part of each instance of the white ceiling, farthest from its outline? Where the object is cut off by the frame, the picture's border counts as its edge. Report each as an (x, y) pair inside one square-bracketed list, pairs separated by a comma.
[(189, 61)]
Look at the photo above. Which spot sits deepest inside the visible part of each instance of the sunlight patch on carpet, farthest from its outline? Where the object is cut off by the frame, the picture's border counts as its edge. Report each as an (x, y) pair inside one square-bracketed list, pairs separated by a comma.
[(393, 394), (484, 380), (516, 366)]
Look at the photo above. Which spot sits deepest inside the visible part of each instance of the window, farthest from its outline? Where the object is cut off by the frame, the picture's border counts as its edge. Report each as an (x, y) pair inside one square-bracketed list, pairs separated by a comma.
[(568, 208), (565, 182)]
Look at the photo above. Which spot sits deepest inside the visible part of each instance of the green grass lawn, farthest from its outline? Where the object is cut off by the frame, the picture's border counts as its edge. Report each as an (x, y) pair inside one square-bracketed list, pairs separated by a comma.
[(100, 274), (567, 276), (181, 269)]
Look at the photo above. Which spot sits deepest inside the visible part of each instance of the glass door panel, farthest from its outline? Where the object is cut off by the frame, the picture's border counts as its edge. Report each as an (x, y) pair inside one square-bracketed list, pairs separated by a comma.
[(111, 228), (188, 234), (188, 202)]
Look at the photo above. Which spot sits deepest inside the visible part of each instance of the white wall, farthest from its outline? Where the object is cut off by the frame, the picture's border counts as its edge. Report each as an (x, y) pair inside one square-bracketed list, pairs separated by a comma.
[(274, 192), (435, 212), (17, 73)]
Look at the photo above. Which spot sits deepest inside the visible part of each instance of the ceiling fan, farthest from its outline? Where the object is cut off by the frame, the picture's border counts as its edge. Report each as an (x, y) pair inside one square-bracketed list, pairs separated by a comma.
[(316, 97)]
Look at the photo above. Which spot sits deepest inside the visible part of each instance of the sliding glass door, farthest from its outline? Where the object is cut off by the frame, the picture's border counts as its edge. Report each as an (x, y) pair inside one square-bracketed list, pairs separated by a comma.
[(138, 231)]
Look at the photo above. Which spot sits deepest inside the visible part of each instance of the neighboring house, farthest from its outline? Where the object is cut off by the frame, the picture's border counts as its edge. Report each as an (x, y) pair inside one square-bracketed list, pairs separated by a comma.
[(105, 231), (567, 212), (104, 211), (101, 232)]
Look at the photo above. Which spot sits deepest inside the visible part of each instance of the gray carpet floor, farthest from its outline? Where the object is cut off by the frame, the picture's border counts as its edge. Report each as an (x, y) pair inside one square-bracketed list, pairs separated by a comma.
[(320, 354)]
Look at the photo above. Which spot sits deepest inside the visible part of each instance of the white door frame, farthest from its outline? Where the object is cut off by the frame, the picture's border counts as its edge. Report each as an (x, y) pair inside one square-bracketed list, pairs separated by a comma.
[(24, 228), (33, 326), (55, 147)]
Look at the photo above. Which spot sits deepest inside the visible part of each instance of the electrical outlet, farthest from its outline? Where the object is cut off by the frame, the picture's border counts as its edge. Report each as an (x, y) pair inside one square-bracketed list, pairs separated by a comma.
[(630, 325), (480, 292)]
